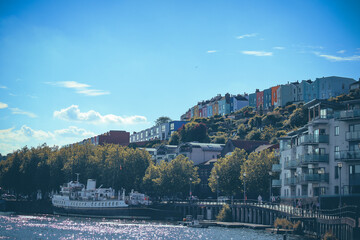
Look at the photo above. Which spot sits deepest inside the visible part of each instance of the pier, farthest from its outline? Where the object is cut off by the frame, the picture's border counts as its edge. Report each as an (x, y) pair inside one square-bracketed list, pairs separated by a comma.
[(344, 222)]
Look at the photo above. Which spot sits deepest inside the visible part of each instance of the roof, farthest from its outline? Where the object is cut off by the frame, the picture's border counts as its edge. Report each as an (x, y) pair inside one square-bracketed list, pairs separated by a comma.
[(247, 145), (265, 147), (209, 162), (206, 146)]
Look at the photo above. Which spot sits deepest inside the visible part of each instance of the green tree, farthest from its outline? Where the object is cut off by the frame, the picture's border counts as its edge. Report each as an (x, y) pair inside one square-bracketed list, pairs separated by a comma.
[(194, 132), (225, 175), (224, 214), (257, 167), (162, 120), (253, 135), (174, 139)]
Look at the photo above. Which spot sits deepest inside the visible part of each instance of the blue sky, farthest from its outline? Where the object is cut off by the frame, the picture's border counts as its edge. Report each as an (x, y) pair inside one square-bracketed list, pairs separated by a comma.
[(70, 70)]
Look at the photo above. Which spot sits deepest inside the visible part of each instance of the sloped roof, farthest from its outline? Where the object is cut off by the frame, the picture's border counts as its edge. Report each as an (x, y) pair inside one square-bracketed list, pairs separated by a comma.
[(267, 146), (248, 145)]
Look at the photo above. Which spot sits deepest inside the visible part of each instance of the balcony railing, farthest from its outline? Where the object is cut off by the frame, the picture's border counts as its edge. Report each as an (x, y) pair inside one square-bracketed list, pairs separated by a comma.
[(276, 168), (290, 181), (291, 164), (314, 139), (347, 155), (276, 183), (304, 178), (347, 115), (314, 158), (352, 136)]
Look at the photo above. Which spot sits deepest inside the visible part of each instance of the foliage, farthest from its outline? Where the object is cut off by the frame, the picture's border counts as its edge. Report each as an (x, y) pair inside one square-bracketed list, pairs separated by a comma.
[(253, 135), (224, 214), (329, 236), (174, 139), (44, 168), (257, 167), (298, 227), (171, 178), (283, 223), (162, 120), (194, 132), (225, 174), (298, 118)]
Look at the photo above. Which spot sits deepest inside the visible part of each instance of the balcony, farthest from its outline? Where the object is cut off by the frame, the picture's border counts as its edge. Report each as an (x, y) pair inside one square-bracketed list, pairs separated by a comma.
[(347, 156), (314, 139), (305, 178), (276, 168), (276, 183), (290, 181), (352, 136), (314, 158), (291, 164), (348, 115)]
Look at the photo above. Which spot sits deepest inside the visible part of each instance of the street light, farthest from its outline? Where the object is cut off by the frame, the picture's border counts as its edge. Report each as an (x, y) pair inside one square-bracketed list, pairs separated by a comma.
[(217, 187), (339, 164), (270, 173), (244, 188), (190, 193)]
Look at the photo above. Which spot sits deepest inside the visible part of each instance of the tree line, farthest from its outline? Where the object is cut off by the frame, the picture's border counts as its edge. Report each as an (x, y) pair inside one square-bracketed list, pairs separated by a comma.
[(45, 168)]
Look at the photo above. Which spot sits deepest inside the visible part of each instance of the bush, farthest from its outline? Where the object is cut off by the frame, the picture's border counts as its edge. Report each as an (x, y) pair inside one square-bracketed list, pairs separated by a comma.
[(283, 223), (298, 227), (329, 236), (224, 214)]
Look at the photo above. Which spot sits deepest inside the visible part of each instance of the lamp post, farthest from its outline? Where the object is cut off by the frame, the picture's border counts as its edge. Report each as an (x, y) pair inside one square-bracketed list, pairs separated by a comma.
[(339, 164), (217, 187), (270, 174), (244, 188), (190, 193)]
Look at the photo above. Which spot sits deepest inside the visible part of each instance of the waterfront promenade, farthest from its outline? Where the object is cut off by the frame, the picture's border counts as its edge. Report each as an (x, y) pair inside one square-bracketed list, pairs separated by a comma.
[(343, 222)]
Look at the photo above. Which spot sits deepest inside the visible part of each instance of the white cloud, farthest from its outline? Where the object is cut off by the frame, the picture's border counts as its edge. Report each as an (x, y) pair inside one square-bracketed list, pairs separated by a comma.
[(11, 139), (247, 36), (279, 48), (22, 112), (211, 51), (3, 105), (341, 51), (73, 113), (258, 53), (80, 88), (73, 131), (337, 58), (3, 87)]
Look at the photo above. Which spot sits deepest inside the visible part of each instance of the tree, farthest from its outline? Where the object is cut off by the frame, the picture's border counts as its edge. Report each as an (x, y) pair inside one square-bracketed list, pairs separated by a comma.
[(298, 118), (162, 120), (173, 178), (225, 175), (257, 167), (194, 132), (174, 139), (253, 135)]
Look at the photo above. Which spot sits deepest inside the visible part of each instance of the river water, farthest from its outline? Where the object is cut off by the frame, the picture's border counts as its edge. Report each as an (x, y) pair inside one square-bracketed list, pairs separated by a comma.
[(56, 227)]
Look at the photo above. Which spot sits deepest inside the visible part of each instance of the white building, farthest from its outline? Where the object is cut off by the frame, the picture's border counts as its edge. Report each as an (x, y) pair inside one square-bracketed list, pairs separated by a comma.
[(315, 158)]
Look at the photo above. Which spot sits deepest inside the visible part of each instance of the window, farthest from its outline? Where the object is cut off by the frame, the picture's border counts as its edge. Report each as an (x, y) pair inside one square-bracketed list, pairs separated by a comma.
[(337, 131), (163, 128), (172, 126), (336, 190)]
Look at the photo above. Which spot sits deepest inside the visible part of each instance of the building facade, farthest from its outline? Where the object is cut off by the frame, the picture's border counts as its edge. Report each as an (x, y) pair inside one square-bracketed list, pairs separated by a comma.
[(160, 132), (321, 160)]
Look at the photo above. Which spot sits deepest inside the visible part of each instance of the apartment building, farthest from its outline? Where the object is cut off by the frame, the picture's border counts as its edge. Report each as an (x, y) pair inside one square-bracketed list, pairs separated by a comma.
[(159, 132), (321, 160), (111, 137)]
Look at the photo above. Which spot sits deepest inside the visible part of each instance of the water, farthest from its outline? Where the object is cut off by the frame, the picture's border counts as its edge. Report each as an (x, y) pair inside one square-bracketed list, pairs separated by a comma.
[(55, 227)]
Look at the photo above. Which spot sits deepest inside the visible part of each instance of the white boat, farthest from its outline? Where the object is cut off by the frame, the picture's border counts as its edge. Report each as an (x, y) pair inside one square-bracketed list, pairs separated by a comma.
[(76, 199)]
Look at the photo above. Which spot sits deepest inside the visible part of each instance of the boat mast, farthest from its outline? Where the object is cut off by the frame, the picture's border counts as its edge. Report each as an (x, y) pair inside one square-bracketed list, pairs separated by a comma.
[(77, 176)]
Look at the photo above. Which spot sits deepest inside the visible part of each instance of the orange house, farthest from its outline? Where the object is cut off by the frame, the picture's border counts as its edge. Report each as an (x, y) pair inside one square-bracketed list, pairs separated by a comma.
[(274, 97)]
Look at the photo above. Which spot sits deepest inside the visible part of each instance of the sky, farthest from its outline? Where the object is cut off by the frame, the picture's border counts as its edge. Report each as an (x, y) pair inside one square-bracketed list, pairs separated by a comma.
[(70, 70)]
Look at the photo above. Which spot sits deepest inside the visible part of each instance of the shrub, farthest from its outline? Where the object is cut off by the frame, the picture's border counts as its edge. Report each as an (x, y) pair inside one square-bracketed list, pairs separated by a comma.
[(329, 236), (283, 223), (224, 214)]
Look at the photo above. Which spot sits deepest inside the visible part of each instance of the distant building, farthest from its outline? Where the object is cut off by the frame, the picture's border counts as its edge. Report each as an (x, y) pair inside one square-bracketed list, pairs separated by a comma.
[(267, 98), (111, 137), (200, 152), (260, 99), (239, 102), (252, 99), (160, 132)]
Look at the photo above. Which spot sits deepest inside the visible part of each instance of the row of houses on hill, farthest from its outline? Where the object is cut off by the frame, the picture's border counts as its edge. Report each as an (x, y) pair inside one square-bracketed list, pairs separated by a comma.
[(277, 96)]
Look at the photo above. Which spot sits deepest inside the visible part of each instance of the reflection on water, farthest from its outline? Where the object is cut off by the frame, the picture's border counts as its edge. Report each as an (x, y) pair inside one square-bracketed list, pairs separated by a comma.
[(55, 227)]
